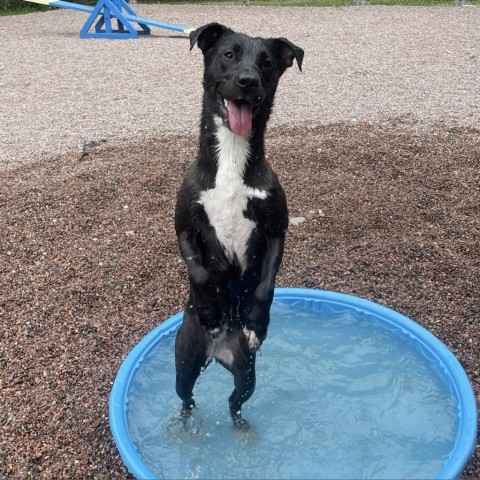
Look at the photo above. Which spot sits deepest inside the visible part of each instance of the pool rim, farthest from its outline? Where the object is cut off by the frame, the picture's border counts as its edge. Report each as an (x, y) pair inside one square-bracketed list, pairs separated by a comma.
[(421, 338)]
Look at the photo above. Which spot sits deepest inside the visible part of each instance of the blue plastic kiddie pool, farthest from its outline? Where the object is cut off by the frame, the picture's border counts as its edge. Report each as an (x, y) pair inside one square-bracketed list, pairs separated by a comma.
[(346, 389)]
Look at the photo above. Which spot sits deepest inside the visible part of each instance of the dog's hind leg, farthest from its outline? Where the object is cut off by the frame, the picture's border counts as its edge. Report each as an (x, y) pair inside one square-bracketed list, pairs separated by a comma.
[(191, 358), (244, 380)]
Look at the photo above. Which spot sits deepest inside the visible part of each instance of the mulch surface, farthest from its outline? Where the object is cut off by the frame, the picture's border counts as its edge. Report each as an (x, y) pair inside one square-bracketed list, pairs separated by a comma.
[(89, 264)]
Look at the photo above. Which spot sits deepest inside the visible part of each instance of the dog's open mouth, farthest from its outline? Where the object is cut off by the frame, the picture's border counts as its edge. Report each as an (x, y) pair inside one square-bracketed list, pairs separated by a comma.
[(238, 114)]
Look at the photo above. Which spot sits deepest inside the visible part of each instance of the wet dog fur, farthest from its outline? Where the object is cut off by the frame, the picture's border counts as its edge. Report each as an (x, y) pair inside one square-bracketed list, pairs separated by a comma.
[(231, 213)]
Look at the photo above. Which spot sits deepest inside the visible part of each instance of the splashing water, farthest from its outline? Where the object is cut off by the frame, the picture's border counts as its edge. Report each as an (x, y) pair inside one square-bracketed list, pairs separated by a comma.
[(338, 396)]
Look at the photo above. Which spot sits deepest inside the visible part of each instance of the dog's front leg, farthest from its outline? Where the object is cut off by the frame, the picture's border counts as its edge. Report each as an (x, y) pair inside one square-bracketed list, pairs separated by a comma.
[(258, 307), (204, 292)]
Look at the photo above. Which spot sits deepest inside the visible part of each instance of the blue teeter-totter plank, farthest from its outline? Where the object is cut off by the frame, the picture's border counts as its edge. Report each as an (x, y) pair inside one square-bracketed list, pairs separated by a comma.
[(130, 18), (127, 16), (61, 4), (155, 23), (72, 6)]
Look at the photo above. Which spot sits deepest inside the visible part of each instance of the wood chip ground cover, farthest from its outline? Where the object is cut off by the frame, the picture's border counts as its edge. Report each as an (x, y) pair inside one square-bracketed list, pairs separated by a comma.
[(89, 264)]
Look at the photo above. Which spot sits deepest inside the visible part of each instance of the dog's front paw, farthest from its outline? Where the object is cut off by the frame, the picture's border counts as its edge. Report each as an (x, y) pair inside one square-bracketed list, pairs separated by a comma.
[(252, 339)]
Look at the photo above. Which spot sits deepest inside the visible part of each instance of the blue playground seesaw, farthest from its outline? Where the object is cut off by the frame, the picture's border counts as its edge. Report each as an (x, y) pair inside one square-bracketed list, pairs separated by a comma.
[(105, 11)]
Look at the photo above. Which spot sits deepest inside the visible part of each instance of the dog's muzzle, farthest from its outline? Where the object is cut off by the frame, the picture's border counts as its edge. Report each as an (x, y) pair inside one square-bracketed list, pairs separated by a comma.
[(240, 106)]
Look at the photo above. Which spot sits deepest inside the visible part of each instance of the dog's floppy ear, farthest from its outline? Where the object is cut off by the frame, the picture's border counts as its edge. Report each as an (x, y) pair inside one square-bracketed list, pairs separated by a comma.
[(208, 35), (287, 52)]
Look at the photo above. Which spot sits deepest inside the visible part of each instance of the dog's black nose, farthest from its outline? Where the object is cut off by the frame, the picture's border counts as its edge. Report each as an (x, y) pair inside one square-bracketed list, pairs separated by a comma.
[(247, 82)]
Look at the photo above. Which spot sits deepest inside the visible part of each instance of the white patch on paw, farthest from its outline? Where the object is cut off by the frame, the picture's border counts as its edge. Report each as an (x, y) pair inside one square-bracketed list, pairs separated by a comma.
[(253, 341)]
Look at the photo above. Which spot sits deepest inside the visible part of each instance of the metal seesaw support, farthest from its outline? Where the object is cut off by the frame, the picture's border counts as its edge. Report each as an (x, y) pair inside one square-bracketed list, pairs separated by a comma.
[(105, 11)]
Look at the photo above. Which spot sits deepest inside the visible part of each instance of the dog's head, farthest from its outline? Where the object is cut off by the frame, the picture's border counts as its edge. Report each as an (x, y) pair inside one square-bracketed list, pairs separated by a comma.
[(242, 73)]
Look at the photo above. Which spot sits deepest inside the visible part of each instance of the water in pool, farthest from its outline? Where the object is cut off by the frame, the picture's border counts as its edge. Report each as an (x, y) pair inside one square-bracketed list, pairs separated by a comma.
[(337, 396)]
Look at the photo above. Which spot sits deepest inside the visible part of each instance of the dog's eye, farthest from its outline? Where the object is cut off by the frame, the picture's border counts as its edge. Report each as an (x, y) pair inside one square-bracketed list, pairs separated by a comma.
[(228, 54), (267, 64)]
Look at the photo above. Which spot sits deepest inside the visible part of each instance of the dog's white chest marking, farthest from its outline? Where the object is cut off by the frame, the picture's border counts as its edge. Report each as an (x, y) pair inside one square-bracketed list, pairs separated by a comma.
[(226, 203)]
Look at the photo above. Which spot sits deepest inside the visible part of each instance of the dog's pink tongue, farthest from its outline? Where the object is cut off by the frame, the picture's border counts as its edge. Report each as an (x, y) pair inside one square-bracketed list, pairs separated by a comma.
[(240, 118)]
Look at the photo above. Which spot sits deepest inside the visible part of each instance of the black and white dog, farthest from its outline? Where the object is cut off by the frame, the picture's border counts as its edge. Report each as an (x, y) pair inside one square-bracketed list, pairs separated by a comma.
[(231, 212)]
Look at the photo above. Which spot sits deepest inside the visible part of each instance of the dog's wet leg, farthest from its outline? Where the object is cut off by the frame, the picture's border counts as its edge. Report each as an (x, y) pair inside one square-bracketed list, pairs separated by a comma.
[(244, 381), (191, 358)]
